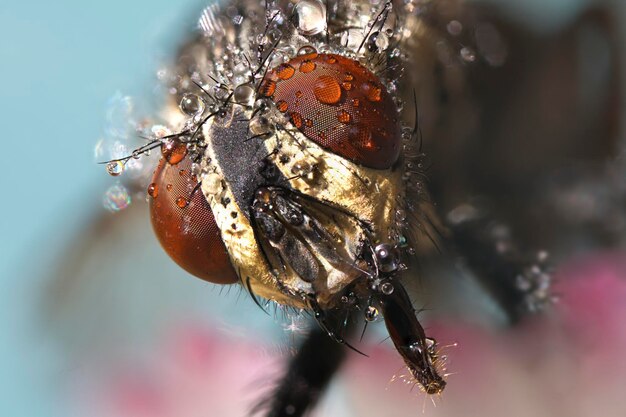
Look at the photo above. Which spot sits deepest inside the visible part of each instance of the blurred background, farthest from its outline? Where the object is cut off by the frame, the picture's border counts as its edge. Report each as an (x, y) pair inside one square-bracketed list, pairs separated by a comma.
[(96, 321)]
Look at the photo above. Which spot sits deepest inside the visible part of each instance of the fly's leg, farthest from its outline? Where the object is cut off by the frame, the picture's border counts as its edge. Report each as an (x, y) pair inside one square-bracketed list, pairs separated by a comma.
[(516, 280), (307, 375)]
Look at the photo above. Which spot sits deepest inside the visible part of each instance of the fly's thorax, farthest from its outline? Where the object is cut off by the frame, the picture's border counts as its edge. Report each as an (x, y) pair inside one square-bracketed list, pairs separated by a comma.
[(296, 219)]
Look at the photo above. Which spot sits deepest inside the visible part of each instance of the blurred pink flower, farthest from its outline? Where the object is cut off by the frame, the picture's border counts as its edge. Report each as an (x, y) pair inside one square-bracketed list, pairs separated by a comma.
[(563, 363)]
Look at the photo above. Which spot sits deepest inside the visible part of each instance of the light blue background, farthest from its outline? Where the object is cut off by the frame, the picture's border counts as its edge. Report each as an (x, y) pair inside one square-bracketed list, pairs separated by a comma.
[(60, 62)]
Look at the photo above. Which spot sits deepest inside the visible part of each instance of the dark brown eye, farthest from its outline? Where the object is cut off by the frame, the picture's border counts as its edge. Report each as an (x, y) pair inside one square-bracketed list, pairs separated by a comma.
[(184, 224), (340, 105)]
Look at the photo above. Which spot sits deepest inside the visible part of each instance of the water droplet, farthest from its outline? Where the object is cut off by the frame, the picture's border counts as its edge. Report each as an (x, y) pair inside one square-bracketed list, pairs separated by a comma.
[(285, 71), (308, 122), (307, 66), (244, 94), (371, 313), (260, 125), (174, 151), (116, 198), (346, 85), (282, 106), (153, 190), (182, 202), (262, 39), (191, 104), (348, 77), (454, 27), (327, 90), (468, 54), (268, 87), (344, 117), (310, 17), (115, 168), (308, 50), (352, 38), (377, 42), (387, 288), (356, 102), (299, 94), (387, 257), (372, 91), (331, 59), (296, 119), (169, 187)]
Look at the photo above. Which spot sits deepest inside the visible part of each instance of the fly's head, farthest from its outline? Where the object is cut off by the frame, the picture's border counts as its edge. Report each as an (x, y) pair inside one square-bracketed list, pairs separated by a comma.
[(292, 172)]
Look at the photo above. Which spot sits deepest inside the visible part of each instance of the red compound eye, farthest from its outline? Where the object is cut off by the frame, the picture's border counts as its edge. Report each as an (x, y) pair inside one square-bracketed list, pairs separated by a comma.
[(185, 225), (340, 105)]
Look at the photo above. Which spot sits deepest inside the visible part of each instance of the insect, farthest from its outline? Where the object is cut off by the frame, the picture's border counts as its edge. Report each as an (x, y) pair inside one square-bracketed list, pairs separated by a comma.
[(292, 171)]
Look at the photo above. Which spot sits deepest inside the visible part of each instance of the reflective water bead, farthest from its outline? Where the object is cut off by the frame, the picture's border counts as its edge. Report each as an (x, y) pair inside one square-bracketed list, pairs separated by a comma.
[(387, 257), (116, 198), (244, 95), (260, 125), (468, 54), (378, 42), (311, 17), (454, 27), (115, 168), (371, 313), (387, 288), (191, 104), (308, 50)]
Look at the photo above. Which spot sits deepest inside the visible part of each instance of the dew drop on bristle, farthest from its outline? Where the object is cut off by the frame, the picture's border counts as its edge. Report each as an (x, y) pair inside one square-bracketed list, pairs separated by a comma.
[(191, 105), (310, 17), (116, 198), (115, 168), (371, 313)]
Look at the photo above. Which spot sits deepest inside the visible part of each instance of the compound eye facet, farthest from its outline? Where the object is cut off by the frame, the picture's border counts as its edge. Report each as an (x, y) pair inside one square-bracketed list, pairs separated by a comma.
[(340, 105), (184, 224)]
